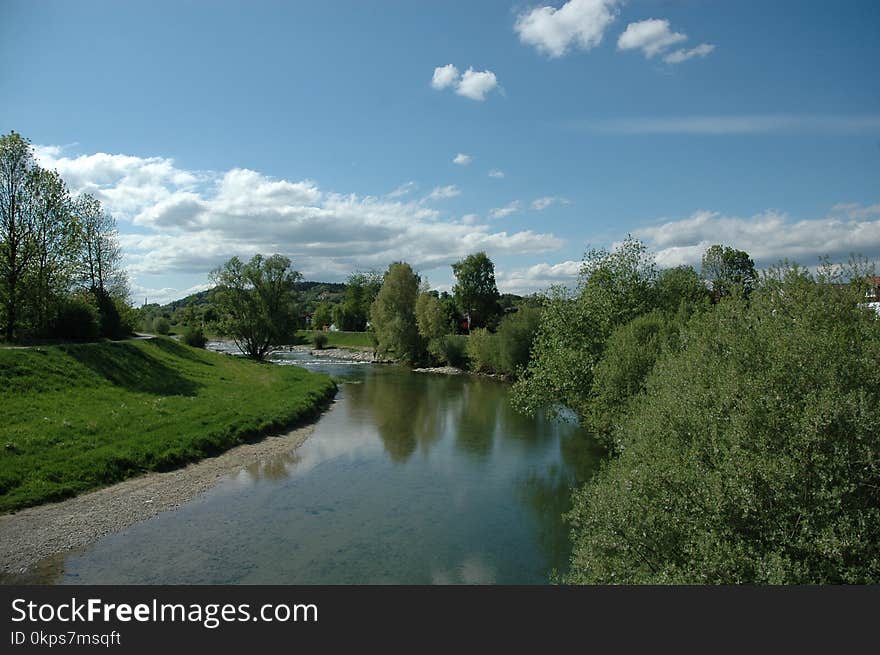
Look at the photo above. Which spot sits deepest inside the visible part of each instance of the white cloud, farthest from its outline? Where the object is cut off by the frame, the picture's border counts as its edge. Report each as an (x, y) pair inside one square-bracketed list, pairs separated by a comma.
[(164, 295), (538, 277), (183, 224), (472, 84), (498, 174), (507, 210), (747, 124), (543, 203), (679, 56), (768, 237), (576, 24), (651, 36), (403, 190), (444, 76), (462, 159), (443, 192), (476, 84)]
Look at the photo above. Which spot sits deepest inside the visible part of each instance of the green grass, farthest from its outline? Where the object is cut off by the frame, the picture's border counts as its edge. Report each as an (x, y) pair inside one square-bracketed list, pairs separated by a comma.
[(339, 339), (76, 417)]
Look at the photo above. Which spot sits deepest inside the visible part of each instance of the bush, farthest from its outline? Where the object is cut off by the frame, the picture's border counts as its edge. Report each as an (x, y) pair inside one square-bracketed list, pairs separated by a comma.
[(451, 349), (483, 351), (77, 319), (115, 316), (161, 326), (751, 456), (194, 336), (516, 333), (319, 339)]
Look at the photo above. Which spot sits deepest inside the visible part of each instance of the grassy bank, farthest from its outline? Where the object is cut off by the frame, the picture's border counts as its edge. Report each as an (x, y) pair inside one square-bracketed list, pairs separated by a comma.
[(77, 417), (339, 339)]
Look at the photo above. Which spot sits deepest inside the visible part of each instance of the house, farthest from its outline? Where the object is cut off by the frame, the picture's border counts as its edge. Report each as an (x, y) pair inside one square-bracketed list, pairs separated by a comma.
[(872, 295)]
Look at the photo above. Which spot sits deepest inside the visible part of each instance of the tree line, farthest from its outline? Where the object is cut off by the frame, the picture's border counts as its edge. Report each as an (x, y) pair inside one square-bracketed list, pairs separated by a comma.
[(60, 260)]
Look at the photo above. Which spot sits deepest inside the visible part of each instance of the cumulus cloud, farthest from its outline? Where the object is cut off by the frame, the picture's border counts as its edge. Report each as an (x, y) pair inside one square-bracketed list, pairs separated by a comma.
[(538, 277), (444, 192), (187, 223), (476, 84), (471, 84), (507, 210), (497, 174), (576, 24), (768, 237), (444, 76), (654, 36), (683, 55), (462, 159)]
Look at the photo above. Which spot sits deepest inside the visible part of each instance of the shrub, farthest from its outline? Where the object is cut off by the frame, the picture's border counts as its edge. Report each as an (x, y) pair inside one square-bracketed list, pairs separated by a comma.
[(751, 456), (194, 336), (319, 339), (516, 333), (77, 319), (483, 351), (161, 326), (451, 349)]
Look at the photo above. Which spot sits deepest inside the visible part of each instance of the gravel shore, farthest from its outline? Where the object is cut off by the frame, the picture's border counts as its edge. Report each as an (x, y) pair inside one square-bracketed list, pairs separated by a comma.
[(36, 533)]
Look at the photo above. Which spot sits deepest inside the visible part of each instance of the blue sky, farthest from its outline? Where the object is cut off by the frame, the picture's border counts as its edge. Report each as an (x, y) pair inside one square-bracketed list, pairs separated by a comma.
[(320, 130)]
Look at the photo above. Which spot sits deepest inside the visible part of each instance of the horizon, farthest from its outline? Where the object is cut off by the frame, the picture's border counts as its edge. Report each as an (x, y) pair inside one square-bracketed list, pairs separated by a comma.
[(352, 137)]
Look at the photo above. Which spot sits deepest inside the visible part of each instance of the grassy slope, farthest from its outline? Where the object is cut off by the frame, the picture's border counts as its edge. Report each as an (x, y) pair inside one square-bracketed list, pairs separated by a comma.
[(79, 416), (340, 339)]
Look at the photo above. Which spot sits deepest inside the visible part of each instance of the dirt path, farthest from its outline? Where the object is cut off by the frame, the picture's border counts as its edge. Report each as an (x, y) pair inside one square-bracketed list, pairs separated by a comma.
[(36, 533)]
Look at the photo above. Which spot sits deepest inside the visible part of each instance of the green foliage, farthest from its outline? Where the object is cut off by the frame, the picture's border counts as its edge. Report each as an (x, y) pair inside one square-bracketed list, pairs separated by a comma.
[(680, 285), (76, 320), (393, 314), (194, 337), (728, 269), (161, 325), (433, 322), (751, 454), (81, 416), (484, 351), (475, 291), (614, 287), (256, 303), (451, 349), (319, 339), (323, 316), (516, 334)]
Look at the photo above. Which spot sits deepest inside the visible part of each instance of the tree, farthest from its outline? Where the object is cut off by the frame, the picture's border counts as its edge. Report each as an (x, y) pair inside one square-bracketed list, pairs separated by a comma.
[(322, 317), (727, 268), (393, 314), (256, 302), (55, 243), (613, 288), (16, 223), (475, 291), (750, 455), (101, 256), (432, 320), (360, 292)]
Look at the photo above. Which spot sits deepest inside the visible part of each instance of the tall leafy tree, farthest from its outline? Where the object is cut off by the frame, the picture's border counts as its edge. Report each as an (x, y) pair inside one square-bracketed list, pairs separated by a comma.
[(257, 302), (16, 223), (101, 255), (475, 291), (56, 238), (727, 268), (393, 314)]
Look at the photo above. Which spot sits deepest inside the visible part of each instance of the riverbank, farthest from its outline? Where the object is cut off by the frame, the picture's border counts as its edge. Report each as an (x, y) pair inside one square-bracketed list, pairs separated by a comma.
[(32, 535), (78, 417)]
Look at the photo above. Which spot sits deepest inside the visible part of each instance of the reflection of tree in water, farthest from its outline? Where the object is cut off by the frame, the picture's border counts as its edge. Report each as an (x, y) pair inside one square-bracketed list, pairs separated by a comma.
[(478, 416), (548, 494), (276, 468), (409, 410)]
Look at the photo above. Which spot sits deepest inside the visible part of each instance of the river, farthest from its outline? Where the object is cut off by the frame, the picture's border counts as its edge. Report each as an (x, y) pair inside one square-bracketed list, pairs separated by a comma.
[(409, 478)]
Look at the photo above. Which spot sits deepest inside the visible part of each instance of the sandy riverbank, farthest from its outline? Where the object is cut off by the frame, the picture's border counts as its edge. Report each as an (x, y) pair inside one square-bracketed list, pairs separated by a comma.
[(36, 533)]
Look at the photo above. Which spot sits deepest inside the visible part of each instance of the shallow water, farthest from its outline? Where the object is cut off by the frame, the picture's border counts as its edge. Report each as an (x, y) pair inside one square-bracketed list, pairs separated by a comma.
[(408, 479)]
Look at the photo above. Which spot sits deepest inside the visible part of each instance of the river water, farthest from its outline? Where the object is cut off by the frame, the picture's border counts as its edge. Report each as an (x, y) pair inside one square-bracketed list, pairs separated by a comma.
[(409, 478)]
